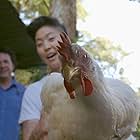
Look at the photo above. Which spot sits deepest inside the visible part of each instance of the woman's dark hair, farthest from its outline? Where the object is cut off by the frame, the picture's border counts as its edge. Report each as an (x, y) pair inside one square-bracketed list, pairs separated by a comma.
[(43, 21), (10, 53)]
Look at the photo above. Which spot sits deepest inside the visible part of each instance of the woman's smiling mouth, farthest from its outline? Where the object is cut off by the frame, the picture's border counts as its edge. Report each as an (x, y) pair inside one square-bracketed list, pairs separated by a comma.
[(51, 55)]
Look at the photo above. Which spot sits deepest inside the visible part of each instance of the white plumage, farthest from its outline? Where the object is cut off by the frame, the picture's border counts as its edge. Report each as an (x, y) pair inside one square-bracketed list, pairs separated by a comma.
[(110, 113)]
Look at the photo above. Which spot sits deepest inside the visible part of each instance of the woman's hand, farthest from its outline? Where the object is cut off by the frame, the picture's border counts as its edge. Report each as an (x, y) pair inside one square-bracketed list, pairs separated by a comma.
[(41, 131)]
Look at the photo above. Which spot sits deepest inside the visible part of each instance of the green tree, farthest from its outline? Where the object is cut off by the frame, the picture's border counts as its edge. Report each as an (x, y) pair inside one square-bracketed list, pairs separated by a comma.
[(107, 53), (30, 9), (102, 49)]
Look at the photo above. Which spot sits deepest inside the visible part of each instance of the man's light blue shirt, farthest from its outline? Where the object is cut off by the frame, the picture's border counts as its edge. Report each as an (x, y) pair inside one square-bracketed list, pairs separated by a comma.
[(10, 104)]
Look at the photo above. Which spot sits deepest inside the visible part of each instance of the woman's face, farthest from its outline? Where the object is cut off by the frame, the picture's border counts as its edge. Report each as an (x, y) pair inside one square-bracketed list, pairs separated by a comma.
[(46, 41)]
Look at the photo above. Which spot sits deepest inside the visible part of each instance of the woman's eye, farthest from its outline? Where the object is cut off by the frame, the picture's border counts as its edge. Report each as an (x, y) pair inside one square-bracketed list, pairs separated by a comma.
[(39, 45), (51, 39)]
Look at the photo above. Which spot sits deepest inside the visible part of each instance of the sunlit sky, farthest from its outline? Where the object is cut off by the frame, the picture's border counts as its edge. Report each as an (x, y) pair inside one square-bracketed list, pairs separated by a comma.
[(118, 21)]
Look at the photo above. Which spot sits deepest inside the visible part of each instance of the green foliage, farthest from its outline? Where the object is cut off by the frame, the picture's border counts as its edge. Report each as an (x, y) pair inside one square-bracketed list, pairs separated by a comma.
[(37, 73), (105, 50), (23, 76), (27, 76), (138, 131), (32, 8), (81, 12), (107, 53)]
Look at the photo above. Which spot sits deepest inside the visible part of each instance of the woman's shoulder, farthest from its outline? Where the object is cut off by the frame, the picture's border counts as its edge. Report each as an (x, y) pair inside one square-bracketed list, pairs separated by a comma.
[(37, 84), (34, 87)]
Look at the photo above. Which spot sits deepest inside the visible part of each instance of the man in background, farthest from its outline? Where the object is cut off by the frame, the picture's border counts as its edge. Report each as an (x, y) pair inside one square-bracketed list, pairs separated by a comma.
[(11, 93)]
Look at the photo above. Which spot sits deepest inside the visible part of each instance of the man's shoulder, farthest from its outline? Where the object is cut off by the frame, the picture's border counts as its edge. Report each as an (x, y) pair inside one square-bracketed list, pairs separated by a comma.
[(20, 87)]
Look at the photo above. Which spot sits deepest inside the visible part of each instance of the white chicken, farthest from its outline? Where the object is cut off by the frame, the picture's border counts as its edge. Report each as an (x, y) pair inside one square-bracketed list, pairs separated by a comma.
[(108, 111)]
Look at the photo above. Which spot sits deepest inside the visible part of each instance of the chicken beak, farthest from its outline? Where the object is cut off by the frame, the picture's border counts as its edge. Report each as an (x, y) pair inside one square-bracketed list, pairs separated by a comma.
[(68, 73), (75, 72), (69, 89)]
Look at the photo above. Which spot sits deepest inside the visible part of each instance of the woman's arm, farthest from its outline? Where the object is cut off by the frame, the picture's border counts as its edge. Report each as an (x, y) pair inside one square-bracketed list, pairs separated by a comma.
[(35, 129), (28, 127)]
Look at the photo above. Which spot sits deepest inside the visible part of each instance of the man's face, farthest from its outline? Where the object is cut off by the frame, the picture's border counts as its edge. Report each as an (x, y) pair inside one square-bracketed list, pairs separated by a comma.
[(46, 41), (6, 66)]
